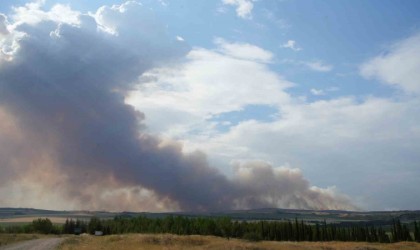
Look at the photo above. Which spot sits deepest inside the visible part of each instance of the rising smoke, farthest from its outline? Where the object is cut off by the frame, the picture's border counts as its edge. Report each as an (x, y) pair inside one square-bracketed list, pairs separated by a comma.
[(66, 131)]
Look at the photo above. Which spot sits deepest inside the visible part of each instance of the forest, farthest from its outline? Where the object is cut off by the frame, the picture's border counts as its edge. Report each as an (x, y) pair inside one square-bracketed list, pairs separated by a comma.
[(290, 230)]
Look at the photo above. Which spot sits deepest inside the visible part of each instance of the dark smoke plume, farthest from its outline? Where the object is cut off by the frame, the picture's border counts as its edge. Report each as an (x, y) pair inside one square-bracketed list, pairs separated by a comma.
[(66, 130)]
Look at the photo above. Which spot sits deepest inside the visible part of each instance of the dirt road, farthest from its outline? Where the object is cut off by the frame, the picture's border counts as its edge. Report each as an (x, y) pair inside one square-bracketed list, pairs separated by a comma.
[(40, 244)]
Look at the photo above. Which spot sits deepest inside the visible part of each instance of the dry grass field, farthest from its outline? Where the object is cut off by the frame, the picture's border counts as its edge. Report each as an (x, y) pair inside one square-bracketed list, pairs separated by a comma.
[(6, 239), (166, 241)]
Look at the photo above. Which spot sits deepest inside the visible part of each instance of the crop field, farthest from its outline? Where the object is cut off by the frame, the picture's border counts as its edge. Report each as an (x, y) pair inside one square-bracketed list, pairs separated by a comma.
[(168, 241)]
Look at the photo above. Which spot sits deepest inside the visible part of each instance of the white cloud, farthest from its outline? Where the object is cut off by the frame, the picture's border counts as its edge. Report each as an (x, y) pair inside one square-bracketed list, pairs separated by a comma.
[(317, 92), (3, 26), (180, 38), (316, 65), (8, 40), (243, 7), (330, 140), (398, 66), (32, 13), (291, 44), (353, 140), (319, 66), (321, 92), (178, 100), (244, 51)]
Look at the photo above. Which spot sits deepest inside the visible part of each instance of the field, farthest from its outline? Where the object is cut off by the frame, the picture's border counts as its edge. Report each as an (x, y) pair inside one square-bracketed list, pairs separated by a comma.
[(25, 220), (381, 218), (167, 241), (152, 222)]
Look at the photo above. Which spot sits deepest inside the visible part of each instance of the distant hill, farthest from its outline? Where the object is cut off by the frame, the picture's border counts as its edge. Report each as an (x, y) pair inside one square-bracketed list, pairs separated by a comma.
[(311, 216)]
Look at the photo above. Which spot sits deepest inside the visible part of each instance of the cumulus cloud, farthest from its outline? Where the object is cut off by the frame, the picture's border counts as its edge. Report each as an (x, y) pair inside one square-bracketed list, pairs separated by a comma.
[(67, 131), (243, 7), (179, 102), (31, 13), (355, 143), (291, 44), (398, 66), (214, 81)]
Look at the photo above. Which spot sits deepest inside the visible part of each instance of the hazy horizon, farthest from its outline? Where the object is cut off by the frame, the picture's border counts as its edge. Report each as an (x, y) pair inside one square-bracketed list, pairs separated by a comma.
[(161, 105)]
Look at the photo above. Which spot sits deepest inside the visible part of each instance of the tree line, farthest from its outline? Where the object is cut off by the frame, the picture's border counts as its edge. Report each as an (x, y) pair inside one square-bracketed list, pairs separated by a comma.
[(292, 230)]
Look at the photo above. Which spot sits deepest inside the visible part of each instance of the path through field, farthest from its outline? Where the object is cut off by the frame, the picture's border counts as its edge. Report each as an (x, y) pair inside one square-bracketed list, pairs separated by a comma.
[(40, 244)]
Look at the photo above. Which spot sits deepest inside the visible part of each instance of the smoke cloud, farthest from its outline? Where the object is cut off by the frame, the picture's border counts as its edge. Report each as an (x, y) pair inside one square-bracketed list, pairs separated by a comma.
[(66, 132)]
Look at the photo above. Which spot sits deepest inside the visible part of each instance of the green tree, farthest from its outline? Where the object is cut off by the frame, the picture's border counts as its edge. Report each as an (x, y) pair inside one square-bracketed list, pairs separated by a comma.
[(416, 232), (95, 224), (43, 226), (226, 227)]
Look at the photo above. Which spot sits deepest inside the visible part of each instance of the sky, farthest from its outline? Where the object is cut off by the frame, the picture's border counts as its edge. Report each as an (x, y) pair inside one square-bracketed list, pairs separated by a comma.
[(161, 105)]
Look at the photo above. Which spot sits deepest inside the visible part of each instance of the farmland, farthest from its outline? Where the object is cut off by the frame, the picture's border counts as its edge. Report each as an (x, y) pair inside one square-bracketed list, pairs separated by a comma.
[(167, 241), (244, 229), (10, 215)]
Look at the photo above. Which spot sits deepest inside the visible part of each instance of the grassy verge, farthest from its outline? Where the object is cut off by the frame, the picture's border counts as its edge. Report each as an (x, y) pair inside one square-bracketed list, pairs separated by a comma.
[(6, 239), (167, 241)]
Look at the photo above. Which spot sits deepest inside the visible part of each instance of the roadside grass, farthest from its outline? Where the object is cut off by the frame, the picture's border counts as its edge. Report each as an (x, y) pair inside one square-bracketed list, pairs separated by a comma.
[(6, 239), (195, 242)]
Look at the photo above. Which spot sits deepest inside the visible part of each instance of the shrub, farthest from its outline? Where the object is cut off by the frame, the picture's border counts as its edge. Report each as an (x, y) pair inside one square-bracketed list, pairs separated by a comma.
[(43, 226)]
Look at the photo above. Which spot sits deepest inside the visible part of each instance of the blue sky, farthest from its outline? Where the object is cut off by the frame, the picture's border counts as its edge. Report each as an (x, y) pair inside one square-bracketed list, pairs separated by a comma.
[(342, 34), (326, 89)]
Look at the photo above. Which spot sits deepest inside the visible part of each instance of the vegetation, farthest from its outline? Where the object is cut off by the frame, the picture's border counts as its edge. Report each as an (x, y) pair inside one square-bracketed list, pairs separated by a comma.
[(225, 227), (6, 239), (196, 242), (40, 226)]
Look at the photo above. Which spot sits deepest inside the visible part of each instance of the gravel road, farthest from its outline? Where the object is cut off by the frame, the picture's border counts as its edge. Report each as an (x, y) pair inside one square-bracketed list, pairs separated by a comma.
[(40, 244)]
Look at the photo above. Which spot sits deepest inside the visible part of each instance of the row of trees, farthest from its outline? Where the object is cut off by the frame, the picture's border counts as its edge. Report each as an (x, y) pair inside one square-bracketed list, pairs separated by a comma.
[(401, 232), (42, 226), (264, 230), (225, 227)]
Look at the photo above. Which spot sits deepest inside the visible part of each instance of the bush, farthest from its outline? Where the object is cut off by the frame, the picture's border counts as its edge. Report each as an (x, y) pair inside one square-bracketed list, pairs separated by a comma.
[(43, 226)]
